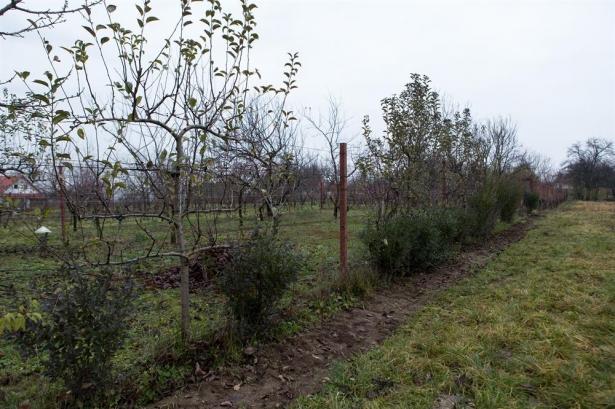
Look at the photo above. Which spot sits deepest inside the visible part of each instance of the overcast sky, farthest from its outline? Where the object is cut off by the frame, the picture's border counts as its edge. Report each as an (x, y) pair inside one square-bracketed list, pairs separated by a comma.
[(549, 65)]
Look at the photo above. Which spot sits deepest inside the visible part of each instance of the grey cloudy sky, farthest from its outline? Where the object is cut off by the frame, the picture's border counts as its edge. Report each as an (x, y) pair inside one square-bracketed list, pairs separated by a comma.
[(550, 65)]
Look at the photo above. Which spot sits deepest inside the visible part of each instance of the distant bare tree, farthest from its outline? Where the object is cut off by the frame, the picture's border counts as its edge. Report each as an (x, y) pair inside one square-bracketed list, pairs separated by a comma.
[(266, 149), (504, 146), (540, 165), (591, 165), (330, 127)]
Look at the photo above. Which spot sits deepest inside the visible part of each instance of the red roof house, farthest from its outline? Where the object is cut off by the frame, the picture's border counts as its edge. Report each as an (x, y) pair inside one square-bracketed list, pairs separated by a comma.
[(19, 189)]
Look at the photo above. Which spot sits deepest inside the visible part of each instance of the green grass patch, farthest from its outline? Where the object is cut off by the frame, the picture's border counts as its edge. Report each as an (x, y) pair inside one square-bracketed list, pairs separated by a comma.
[(534, 329)]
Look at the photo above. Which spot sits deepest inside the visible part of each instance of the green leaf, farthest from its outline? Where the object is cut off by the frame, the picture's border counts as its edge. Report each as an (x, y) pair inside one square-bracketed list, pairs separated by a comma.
[(41, 98), (89, 30), (192, 102), (59, 117), (23, 75), (111, 8), (104, 40), (81, 133), (150, 19), (41, 82)]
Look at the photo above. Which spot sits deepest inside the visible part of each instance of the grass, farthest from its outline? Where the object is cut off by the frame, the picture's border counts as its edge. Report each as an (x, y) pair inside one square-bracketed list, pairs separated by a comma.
[(153, 361), (534, 329)]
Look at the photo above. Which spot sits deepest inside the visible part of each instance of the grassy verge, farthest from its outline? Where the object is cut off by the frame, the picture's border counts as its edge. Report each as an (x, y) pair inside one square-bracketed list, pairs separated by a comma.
[(534, 329)]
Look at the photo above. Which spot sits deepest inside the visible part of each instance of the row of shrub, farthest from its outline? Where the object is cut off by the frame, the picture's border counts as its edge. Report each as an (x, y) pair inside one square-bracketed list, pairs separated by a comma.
[(85, 321), (423, 238)]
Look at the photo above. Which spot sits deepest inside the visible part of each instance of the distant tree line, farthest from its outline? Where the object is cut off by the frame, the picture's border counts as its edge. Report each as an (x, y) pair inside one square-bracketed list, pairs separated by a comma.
[(590, 169)]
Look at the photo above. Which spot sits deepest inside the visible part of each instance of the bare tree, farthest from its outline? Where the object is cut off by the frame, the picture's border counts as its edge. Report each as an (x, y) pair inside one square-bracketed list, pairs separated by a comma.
[(540, 166), (268, 150), (330, 128), (504, 146), (590, 166)]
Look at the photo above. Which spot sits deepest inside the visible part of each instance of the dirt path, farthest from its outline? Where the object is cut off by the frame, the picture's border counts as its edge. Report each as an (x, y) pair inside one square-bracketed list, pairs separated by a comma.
[(278, 373)]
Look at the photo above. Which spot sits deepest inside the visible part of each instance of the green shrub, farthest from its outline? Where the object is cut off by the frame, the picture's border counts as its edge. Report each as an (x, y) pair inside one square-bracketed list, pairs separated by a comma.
[(255, 279), (408, 242), (450, 222), (482, 212), (83, 325), (509, 193), (531, 201)]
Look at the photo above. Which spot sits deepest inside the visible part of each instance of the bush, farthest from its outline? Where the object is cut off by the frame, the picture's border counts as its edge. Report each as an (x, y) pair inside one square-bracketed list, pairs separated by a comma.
[(408, 242), (482, 212), (509, 193), (83, 324), (255, 279), (531, 201)]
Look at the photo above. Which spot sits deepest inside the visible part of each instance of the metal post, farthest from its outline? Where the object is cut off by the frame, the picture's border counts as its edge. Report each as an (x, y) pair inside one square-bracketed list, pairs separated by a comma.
[(322, 194), (62, 204), (343, 213)]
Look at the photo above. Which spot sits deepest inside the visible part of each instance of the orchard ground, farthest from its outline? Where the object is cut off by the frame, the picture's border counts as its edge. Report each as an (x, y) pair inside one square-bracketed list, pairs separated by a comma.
[(521, 331), (153, 361), (534, 329)]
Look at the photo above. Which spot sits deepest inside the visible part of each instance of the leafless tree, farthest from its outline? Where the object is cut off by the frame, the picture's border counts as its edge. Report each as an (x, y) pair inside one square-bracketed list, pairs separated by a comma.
[(503, 143), (267, 150), (540, 166), (330, 128), (590, 166)]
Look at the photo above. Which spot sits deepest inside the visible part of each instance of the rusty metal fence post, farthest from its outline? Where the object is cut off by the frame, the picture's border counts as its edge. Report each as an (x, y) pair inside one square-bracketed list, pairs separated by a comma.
[(322, 193), (62, 205), (343, 213)]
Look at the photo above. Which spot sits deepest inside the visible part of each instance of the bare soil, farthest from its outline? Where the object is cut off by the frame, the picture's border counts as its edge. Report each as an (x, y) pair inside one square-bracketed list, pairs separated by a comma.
[(277, 373)]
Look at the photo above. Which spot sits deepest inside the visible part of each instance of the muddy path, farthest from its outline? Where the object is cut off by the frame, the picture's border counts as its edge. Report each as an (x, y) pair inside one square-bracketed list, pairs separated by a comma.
[(277, 373)]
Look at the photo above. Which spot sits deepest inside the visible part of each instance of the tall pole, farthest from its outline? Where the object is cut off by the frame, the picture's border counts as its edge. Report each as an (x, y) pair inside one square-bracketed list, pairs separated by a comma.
[(343, 213), (322, 194), (62, 205)]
